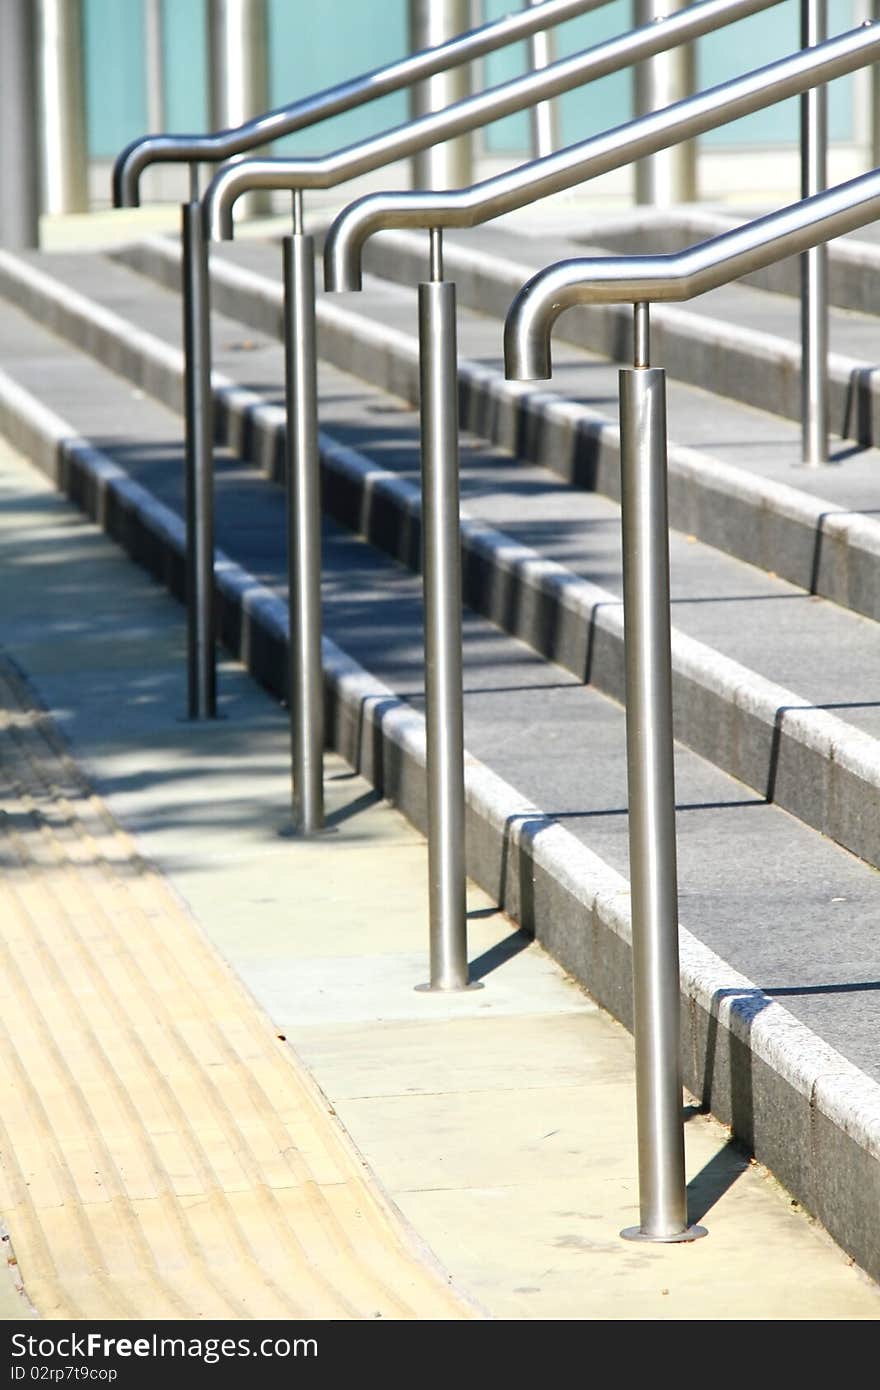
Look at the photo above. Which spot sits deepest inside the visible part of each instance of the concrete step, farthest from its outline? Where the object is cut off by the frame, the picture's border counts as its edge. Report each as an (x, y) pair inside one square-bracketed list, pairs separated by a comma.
[(769, 907), (739, 341), (518, 1178), (543, 562), (735, 479)]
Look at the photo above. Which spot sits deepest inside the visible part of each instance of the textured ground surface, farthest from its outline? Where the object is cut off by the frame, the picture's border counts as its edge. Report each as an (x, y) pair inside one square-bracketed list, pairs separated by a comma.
[(164, 1152)]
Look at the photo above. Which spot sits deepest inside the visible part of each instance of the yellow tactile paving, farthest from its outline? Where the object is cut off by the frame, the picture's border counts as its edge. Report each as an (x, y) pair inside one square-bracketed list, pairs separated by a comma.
[(162, 1153)]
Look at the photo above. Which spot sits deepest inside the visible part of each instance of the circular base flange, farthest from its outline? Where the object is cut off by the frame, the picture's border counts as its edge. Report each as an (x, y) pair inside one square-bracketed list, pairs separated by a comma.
[(681, 1237), (293, 832), (455, 989)]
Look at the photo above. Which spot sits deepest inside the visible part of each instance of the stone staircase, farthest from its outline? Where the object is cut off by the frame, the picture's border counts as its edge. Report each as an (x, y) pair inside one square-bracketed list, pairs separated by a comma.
[(775, 584)]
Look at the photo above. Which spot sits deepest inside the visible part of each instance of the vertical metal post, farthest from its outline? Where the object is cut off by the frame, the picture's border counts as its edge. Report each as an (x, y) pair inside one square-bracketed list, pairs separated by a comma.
[(814, 263), (651, 782), (431, 22), (239, 72), (874, 80), (669, 176), (19, 163), (62, 107), (154, 55), (545, 123), (305, 679), (201, 671), (873, 77), (441, 543)]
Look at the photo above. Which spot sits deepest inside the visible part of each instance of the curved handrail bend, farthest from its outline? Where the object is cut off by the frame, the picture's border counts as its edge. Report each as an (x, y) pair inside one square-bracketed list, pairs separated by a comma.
[(635, 139), (679, 276), (231, 182), (223, 144)]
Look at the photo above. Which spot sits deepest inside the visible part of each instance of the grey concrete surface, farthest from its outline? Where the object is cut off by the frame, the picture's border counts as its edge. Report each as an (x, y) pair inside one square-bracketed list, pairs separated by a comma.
[(738, 341), (517, 1176), (814, 765), (558, 742), (751, 1059), (735, 475)]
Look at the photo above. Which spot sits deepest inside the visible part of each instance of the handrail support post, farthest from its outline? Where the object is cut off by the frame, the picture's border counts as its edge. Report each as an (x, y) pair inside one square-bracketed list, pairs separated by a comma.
[(199, 465), (441, 549), (641, 335), (303, 474), (814, 263), (436, 253), (651, 784)]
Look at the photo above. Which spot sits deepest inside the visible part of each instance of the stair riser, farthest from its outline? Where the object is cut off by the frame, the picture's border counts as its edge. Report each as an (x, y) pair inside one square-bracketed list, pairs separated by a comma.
[(806, 1113), (158, 373), (735, 720)]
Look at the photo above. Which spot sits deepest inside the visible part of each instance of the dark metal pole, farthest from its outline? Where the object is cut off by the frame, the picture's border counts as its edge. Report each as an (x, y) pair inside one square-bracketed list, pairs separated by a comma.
[(201, 671), (305, 679), (443, 633), (651, 781)]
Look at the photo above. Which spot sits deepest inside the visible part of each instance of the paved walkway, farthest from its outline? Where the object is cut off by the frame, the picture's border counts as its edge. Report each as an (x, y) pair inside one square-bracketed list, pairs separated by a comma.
[(166, 1155), (169, 1151)]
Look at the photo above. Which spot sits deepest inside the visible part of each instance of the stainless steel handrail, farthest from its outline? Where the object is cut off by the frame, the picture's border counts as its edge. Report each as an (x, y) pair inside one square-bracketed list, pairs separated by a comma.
[(201, 662), (681, 275), (345, 96), (643, 280), (436, 315), (468, 207), (232, 181)]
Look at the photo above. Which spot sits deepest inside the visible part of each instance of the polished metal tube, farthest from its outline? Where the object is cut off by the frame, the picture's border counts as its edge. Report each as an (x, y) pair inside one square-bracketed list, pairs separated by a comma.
[(237, 33), (62, 107), (814, 263), (441, 541), (641, 335), (305, 679), (446, 164), (651, 783), (19, 159), (154, 62), (513, 189), (366, 87), (239, 71), (201, 671), (545, 114), (326, 172), (874, 100), (436, 253), (673, 278), (669, 177)]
